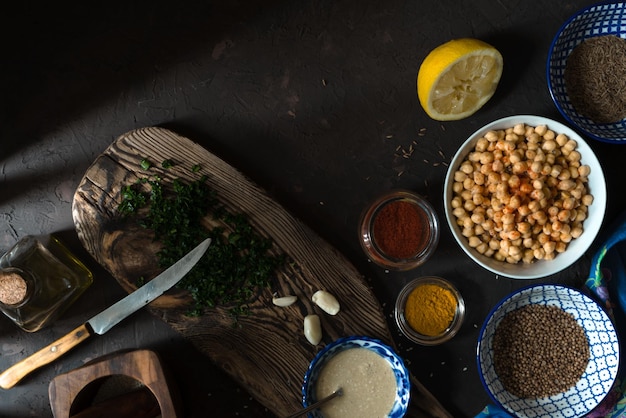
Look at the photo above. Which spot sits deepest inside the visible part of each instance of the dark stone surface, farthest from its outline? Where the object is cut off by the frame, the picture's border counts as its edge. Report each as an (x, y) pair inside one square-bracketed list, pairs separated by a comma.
[(310, 99)]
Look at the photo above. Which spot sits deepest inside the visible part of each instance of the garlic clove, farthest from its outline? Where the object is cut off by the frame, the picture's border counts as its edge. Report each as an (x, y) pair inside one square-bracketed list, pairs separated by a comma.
[(284, 301), (326, 301), (313, 329)]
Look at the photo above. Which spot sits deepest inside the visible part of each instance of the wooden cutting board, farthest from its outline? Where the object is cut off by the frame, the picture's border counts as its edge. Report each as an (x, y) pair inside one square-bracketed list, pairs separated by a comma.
[(268, 354)]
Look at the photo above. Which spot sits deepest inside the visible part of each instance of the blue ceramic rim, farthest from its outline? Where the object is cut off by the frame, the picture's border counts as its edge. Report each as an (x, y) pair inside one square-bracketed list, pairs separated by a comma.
[(551, 87), (506, 299), (403, 374)]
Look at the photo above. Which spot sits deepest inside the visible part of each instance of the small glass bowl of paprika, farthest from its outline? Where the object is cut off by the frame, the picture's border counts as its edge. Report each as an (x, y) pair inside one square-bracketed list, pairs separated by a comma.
[(429, 310), (399, 230)]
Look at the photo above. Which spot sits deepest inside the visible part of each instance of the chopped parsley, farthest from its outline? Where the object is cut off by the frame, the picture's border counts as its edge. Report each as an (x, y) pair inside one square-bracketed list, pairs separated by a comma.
[(238, 261)]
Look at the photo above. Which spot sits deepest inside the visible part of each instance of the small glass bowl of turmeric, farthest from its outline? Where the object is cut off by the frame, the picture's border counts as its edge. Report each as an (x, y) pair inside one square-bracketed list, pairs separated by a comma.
[(429, 310)]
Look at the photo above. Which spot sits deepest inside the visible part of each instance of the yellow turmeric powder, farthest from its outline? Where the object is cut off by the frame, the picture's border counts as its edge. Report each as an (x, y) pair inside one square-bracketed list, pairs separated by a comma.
[(430, 309)]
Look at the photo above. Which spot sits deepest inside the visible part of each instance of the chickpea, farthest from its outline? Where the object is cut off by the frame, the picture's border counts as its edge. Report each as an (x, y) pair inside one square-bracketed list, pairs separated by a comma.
[(534, 207), (566, 184), (542, 238), (549, 145), (539, 253), (528, 257), (515, 251), (525, 188), (514, 181), (491, 136), (482, 144), (508, 219), (474, 241), (469, 205), (570, 146), (467, 167), (482, 248), (519, 129), (576, 231), (513, 235), (541, 130), (521, 194), (556, 170), (478, 199), (561, 139), (497, 166), (550, 256), (478, 218), (459, 213), (584, 170)]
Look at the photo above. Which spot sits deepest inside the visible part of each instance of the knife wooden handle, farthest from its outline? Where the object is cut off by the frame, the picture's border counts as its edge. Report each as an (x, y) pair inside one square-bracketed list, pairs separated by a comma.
[(11, 376)]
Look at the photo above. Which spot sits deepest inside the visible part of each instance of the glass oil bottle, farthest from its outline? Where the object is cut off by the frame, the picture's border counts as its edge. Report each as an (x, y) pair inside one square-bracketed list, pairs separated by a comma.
[(39, 279)]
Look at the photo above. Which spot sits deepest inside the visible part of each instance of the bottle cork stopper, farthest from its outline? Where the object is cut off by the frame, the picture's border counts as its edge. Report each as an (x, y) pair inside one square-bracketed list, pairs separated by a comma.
[(13, 288)]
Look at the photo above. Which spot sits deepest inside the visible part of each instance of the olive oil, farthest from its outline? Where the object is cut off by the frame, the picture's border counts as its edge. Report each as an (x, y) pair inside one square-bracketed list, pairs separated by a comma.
[(39, 279)]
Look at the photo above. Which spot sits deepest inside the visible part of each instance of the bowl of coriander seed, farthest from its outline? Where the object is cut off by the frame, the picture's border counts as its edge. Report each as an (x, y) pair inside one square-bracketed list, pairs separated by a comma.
[(548, 349), (525, 197)]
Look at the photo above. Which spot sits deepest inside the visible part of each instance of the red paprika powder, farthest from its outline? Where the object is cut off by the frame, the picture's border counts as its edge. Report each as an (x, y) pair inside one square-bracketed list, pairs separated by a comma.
[(401, 229)]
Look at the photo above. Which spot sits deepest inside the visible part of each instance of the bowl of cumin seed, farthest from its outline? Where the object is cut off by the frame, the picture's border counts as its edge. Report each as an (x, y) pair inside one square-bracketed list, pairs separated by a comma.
[(546, 349), (586, 71)]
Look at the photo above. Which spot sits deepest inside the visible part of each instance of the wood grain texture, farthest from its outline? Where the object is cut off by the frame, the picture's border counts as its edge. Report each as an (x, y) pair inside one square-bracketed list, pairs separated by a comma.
[(76, 393), (11, 376), (268, 353)]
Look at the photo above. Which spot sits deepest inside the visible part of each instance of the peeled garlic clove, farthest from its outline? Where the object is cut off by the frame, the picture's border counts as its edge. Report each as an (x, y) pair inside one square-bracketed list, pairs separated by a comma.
[(284, 300), (313, 329), (326, 301)]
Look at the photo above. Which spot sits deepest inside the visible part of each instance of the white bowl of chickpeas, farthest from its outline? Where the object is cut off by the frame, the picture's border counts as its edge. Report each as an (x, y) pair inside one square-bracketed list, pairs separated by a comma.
[(525, 197)]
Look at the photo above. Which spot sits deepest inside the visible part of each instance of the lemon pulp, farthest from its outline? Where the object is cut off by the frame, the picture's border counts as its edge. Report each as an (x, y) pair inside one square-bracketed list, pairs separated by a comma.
[(457, 78)]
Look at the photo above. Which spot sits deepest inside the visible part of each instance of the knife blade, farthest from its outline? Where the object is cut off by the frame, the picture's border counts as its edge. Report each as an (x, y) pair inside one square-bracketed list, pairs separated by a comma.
[(107, 319)]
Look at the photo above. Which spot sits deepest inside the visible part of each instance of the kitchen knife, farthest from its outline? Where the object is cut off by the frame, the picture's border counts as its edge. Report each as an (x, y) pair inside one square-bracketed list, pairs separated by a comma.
[(106, 319)]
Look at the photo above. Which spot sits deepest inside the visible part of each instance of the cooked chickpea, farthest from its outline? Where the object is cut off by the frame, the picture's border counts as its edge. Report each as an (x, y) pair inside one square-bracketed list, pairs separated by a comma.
[(521, 194), (584, 170), (541, 130)]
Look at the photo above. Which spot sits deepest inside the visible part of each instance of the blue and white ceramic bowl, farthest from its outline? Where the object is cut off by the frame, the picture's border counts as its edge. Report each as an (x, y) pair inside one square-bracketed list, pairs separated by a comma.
[(596, 20), (401, 373), (601, 371)]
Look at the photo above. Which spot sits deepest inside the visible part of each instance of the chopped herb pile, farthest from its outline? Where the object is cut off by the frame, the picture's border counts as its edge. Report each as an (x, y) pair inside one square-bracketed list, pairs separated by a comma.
[(237, 262)]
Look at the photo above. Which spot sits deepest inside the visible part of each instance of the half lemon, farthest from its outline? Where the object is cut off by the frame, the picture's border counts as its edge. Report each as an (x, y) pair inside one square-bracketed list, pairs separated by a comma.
[(457, 78)]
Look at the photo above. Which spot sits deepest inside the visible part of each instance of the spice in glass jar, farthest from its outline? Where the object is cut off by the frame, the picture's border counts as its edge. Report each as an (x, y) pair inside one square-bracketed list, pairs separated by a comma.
[(400, 229), (430, 309)]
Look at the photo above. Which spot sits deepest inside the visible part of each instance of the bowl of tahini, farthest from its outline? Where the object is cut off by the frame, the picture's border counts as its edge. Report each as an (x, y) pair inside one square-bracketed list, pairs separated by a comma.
[(586, 71), (373, 378)]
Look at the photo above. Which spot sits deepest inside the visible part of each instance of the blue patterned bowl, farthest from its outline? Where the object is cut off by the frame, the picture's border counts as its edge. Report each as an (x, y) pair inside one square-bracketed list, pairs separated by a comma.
[(601, 371), (596, 20), (401, 373)]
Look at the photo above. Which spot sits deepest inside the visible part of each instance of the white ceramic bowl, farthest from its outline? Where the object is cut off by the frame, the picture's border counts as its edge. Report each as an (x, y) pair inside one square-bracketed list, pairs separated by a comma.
[(601, 371), (576, 248), (592, 21), (401, 374)]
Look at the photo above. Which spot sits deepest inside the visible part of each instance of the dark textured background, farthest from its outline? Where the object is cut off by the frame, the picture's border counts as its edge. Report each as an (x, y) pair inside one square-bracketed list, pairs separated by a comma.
[(308, 98)]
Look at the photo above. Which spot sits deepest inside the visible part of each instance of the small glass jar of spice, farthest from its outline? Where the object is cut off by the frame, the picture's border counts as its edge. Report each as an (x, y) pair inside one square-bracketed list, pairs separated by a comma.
[(429, 310), (399, 230)]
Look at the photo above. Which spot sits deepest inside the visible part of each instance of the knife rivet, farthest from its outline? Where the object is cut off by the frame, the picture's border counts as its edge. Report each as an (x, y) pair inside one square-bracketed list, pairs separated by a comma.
[(53, 348)]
